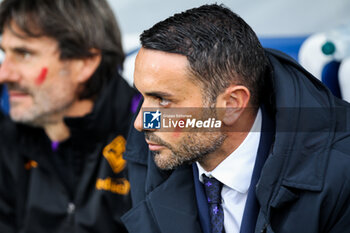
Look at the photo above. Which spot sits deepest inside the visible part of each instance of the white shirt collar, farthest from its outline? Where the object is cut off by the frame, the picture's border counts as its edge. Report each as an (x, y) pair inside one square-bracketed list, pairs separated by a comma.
[(237, 169)]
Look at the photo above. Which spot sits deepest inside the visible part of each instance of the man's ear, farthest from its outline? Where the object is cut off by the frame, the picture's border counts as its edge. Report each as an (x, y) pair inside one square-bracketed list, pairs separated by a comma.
[(87, 66), (233, 101)]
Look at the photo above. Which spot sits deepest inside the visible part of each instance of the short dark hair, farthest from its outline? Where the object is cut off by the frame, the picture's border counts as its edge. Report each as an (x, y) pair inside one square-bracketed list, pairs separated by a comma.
[(220, 46), (77, 25)]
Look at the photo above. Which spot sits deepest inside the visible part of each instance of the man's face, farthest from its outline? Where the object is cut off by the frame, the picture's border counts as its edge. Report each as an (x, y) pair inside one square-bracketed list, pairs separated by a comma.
[(40, 85), (163, 80)]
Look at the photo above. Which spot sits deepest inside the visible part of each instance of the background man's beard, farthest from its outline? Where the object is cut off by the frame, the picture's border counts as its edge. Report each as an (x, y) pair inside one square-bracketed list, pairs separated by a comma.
[(40, 114)]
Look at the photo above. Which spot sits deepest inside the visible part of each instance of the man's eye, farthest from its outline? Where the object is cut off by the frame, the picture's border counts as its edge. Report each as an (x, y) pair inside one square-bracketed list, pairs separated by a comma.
[(164, 102), (27, 55), (23, 55)]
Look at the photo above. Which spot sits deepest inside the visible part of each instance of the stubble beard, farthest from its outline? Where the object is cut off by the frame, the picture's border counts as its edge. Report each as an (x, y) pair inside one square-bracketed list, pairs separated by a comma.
[(43, 111), (193, 147)]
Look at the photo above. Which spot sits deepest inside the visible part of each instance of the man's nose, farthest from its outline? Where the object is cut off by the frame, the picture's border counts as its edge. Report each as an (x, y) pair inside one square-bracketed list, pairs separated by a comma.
[(7, 72), (138, 121)]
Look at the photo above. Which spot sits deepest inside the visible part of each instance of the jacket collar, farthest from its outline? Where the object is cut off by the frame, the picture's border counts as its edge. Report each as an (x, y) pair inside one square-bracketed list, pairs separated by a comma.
[(305, 124), (136, 147), (111, 110), (169, 204)]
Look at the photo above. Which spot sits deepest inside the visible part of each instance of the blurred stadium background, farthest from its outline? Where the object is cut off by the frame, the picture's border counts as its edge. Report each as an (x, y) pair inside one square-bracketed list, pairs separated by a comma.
[(301, 28)]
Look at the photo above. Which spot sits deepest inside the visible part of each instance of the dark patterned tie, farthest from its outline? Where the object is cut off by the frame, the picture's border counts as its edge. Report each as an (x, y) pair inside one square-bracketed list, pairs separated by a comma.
[(213, 191)]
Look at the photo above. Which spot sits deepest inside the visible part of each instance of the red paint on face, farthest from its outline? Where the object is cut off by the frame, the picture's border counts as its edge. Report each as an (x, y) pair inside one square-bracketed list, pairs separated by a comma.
[(42, 76), (176, 134), (178, 129)]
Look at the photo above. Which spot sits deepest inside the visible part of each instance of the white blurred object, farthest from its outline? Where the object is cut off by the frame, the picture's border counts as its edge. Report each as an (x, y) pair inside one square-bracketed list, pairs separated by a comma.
[(338, 42), (311, 56), (2, 56), (344, 79), (322, 48), (272, 18), (130, 44)]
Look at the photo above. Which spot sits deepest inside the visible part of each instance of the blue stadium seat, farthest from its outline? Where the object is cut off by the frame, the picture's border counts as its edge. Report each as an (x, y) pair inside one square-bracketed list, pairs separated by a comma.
[(288, 45), (4, 104), (330, 77)]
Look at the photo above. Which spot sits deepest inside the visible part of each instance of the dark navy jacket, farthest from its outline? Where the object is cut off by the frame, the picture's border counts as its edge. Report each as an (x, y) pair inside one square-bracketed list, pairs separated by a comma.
[(304, 186)]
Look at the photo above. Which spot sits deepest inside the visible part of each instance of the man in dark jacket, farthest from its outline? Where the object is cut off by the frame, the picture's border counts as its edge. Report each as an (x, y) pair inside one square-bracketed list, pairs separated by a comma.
[(61, 165), (278, 163)]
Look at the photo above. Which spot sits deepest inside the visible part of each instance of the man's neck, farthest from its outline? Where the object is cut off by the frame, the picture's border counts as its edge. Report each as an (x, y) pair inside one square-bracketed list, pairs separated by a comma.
[(58, 130), (79, 108), (235, 137)]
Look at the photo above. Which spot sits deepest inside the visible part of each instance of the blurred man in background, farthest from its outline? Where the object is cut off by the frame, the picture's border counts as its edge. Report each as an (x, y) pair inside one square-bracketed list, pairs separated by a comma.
[(61, 149)]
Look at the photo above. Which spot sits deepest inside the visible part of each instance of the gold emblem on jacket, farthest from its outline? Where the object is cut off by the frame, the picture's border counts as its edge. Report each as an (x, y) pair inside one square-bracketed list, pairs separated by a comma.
[(113, 152), (114, 185)]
